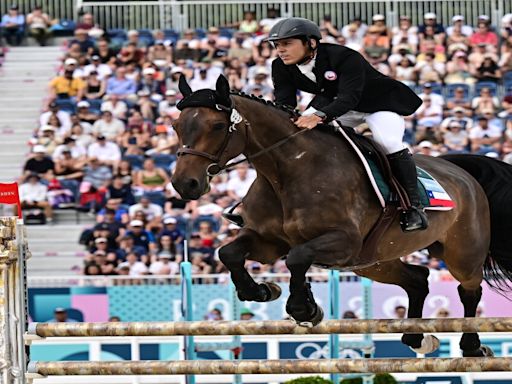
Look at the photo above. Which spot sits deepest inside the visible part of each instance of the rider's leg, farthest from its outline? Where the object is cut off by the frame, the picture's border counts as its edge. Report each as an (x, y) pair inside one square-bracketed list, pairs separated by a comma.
[(388, 130)]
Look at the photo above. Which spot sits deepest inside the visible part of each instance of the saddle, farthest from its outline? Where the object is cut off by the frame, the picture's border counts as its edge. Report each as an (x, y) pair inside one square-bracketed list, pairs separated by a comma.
[(391, 194)]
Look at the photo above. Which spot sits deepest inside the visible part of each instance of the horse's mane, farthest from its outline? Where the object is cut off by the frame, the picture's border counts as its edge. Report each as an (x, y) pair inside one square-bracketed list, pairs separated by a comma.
[(282, 107)]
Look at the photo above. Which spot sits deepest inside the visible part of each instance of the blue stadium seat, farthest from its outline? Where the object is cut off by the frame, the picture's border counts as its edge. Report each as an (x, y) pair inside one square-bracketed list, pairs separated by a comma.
[(436, 88), (95, 105), (508, 88), (215, 223), (163, 161), (65, 27), (156, 197), (136, 161), (116, 33), (67, 105), (226, 32), (200, 33), (486, 84), (450, 90), (507, 77), (146, 36), (172, 35)]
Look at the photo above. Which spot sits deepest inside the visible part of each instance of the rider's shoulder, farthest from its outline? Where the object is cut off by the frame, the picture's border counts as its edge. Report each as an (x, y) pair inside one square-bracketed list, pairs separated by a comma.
[(336, 49)]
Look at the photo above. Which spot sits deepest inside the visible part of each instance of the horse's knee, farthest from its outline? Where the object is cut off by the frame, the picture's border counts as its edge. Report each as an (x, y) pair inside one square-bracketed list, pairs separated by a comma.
[(233, 253), (299, 257)]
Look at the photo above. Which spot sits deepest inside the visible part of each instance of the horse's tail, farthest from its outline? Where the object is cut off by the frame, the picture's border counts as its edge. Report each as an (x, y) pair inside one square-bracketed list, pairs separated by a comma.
[(495, 177)]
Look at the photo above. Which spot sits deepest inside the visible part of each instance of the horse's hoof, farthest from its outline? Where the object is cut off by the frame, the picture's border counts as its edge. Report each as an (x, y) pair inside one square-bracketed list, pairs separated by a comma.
[(429, 344), (273, 289), (315, 320), (483, 351)]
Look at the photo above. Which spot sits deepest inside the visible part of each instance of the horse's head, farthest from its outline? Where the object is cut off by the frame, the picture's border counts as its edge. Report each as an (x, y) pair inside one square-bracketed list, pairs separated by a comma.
[(208, 135)]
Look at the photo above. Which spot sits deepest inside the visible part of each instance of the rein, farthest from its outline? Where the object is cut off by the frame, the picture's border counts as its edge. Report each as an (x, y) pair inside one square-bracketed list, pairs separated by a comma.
[(235, 118)]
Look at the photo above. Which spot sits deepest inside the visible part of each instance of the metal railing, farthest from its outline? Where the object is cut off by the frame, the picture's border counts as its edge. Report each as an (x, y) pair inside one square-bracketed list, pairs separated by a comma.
[(160, 14), (109, 281)]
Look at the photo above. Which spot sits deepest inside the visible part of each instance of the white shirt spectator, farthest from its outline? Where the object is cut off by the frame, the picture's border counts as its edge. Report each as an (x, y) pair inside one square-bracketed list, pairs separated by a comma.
[(151, 210), (64, 118), (478, 133), (166, 109), (466, 30), (111, 130), (434, 115), (118, 110), (436, 98), (102, 69), (33, 192), (164, 268), (77, 151), (239, 185), (136, 269), (466, 122), (108, 152)]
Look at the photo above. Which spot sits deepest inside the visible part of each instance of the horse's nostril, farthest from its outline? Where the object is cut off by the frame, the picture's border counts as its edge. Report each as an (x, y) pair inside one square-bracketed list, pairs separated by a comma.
[(192, 184)]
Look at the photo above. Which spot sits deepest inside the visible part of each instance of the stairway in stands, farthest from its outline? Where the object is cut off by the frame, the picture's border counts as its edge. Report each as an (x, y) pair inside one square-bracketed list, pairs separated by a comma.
[(24, 76)]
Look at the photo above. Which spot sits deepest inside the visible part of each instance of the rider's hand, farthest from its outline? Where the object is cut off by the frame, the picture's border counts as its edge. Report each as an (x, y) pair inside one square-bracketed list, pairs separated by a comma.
[(308, 122)]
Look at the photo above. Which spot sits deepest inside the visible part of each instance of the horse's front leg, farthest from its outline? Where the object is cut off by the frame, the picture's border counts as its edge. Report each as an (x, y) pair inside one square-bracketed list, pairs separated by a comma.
[(248, 245), (336, 249)]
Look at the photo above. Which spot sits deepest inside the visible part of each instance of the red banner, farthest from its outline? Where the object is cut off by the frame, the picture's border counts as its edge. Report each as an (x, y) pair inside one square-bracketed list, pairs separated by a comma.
[(9, 195)]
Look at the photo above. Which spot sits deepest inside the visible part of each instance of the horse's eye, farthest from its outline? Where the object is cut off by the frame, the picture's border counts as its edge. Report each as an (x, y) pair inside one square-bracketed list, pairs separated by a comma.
[(219, 126)]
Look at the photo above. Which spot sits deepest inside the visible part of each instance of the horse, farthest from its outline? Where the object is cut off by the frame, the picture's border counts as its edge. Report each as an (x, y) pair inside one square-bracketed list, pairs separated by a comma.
[(313, 203)]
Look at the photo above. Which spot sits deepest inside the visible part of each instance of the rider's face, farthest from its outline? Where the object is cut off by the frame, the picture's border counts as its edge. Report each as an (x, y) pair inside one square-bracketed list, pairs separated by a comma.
[(291, 51)]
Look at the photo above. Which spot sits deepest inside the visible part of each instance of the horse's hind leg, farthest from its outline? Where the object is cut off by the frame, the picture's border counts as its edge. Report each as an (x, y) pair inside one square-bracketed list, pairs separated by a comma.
[(249, 244), (413, 279), (468, 270)]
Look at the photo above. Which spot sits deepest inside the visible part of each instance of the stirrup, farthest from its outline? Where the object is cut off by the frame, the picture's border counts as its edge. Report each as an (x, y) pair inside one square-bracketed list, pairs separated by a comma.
[(420, 222)]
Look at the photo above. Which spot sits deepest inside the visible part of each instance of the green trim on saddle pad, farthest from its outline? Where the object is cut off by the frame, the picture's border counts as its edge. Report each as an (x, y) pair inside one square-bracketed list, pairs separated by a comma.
[(386, 191)]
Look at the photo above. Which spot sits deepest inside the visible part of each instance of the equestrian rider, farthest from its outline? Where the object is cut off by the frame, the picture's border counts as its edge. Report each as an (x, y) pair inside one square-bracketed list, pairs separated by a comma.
[(347, 89)]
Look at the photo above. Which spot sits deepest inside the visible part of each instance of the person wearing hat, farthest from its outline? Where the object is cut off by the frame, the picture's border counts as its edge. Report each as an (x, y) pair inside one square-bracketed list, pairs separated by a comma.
[(65, 86), (379, 25), (427, 91), (455, 139), (246, 314), (102, 70), (459, 26), (171, 229), (38, 24), (13, 26), (485, 138), (360, 27), (260, 81), (61, 316), (47, 138), (165, 264), (140, 236), (405, 34), (105, 151), (459, 115), (430, 20), (39, 163), (34, 194), (63, 117), (350, 90), (167, 107)]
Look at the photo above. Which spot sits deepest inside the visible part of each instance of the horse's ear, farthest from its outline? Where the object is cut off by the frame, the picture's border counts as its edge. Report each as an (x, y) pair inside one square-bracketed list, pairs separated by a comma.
[(222, 87), (184, 87)]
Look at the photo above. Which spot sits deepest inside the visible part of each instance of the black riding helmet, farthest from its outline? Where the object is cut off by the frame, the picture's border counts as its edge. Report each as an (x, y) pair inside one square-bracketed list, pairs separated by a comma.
[(294, 27)]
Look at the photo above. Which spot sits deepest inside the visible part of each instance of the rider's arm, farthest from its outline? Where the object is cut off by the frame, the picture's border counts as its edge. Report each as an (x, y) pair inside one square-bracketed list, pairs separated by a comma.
[(350, 86), (285, 91)]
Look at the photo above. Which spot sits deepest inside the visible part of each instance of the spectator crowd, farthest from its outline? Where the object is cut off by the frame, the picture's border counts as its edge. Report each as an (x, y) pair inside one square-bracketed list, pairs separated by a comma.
[(106, 143)]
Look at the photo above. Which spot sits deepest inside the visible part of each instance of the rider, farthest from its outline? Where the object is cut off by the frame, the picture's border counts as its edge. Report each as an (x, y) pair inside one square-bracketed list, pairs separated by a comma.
[(347, 89)]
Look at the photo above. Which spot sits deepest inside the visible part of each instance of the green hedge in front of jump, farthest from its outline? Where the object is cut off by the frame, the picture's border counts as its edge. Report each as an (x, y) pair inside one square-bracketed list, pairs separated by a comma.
[(380, 378)]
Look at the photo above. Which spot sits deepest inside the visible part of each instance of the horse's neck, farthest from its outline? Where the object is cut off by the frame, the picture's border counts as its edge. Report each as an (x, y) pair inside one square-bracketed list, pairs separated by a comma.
[(266, 127)]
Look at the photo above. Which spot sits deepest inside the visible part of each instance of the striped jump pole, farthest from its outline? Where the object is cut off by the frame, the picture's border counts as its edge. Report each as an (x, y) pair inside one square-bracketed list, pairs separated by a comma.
[(278, 327), (255, 367)]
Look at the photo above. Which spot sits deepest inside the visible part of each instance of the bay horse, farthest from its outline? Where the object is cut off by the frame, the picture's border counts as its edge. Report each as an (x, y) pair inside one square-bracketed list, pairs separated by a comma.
[(313, 203)]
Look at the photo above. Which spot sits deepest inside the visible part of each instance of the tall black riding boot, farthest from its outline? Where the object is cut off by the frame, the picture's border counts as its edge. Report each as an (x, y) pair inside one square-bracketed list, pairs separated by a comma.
[(404, 169)]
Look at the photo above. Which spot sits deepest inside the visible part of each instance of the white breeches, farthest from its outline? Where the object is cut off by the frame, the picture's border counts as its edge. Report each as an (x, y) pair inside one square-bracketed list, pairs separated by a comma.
[(387, 127)]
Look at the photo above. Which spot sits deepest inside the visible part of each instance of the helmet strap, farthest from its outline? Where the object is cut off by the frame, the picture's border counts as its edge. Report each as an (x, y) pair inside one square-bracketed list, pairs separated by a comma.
[(310, 54)]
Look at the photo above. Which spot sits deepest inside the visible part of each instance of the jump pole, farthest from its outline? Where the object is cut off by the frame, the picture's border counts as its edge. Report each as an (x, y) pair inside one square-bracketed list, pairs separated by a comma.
[(268, 327), (187, 309), (274, 367)]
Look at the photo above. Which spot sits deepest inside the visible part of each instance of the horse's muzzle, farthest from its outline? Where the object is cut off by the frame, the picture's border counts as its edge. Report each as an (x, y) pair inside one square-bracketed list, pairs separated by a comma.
[(189, 188)]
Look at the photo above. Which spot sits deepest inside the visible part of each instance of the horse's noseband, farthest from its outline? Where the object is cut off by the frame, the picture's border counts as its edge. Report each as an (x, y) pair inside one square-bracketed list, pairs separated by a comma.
[(215, 168)]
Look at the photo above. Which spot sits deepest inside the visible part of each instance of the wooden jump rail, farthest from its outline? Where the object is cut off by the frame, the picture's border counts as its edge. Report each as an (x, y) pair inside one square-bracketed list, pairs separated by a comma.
[(466, 364), (279, 327)]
